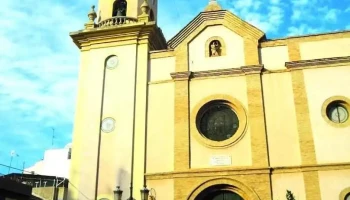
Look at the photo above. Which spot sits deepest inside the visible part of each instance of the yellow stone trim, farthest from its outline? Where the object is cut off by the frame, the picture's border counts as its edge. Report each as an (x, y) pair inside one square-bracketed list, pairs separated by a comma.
[(294, 51), (160, 82), (181, 126), (306, 140), (230, 171), (161, 54), (222, 17), (307, 147), (344, 193), (251, 51), (344, 101), (312, 185), (231, 184), (181, 110), (305, 38), (140, 31), (235, 105), (207, 46), (257, 121)]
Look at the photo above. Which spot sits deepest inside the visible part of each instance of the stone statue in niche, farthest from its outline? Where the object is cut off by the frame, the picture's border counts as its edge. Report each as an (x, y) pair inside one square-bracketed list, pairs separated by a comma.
[(215, 48), (119, 10)]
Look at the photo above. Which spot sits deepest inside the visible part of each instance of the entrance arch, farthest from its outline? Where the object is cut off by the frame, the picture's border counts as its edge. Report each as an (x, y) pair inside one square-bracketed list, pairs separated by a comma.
[(223, 189)]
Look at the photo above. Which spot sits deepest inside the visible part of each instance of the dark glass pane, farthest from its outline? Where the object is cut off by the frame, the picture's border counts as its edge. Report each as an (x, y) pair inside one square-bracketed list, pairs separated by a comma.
[(225, 195), (347, 197), (219, 122)]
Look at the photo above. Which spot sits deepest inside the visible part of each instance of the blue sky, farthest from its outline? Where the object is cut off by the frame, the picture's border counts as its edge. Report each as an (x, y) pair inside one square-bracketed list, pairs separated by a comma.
[(39, 62)]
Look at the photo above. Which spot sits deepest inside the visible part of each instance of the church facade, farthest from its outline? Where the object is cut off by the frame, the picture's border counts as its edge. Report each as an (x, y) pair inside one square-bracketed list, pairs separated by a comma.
[(219, 112)]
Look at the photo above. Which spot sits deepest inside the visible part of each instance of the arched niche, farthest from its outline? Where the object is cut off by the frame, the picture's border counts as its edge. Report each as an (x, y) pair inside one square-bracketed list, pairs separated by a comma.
[(215, 46)]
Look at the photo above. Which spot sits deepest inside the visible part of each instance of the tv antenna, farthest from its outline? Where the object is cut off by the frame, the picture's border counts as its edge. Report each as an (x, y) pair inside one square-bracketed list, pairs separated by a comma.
[(53, 135)]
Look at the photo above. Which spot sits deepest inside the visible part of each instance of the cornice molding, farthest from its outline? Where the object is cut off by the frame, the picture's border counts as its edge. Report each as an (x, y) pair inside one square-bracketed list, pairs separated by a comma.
[(138, 31), (180, 76), (221, 17), (316, 62), (245, 70), (227, 171), (252, 69)]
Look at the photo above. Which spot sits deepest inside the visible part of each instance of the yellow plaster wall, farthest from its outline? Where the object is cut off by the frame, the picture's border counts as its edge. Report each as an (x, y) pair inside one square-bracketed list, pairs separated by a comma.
[(115, 153), (161, 68), (333, 182), (274, 58), (288, 181), (283, 139), (240, 152), (160, 124), (325, 48), (330, 142), (86, 128), (161, 189), (234, 50)]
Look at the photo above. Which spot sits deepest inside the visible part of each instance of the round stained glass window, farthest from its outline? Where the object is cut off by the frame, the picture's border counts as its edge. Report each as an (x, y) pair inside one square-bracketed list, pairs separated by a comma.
[(337, 113), (218, 122)]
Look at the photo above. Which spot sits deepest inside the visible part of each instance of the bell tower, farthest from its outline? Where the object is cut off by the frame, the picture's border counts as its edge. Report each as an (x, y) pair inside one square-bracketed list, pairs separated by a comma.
[(108, 149), (105, 10)]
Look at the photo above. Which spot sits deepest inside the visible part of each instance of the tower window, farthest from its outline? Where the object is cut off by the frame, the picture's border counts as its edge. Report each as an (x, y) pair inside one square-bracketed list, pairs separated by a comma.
[(119, 8)]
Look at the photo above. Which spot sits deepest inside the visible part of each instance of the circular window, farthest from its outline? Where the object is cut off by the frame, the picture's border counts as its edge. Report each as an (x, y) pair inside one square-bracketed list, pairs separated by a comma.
[(112, 62), (337, 112), (108, 125), (218, 122), (347, 197)]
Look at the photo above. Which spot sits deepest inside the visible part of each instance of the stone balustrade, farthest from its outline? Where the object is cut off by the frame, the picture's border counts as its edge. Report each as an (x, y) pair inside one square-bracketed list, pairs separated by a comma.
[(115, 21)]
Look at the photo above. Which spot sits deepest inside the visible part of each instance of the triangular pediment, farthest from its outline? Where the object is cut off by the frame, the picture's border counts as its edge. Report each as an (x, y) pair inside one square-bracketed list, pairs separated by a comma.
[(218, 17)]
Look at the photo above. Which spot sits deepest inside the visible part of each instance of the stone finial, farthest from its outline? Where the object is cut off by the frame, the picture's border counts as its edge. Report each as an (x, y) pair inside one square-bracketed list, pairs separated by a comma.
[(213, 6), (145, 12), (92, 16)]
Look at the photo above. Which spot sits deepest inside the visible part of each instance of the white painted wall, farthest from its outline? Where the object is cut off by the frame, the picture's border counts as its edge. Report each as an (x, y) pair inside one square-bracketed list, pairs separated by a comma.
[(55, 163)]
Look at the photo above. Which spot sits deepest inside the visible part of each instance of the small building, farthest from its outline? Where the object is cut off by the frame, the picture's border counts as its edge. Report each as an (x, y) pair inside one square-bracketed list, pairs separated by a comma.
[(41, 186), (56, 162), (13, 190)]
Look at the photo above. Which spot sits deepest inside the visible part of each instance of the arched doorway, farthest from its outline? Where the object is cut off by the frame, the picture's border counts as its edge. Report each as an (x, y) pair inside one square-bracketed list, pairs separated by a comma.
[(218, 192), (223, 189)]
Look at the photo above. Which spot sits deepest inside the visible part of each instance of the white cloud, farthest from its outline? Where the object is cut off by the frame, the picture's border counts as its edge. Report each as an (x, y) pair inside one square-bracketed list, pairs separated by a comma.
[(38, 73), (296, 15), (302, 29), (275, 1), (332, 14)]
